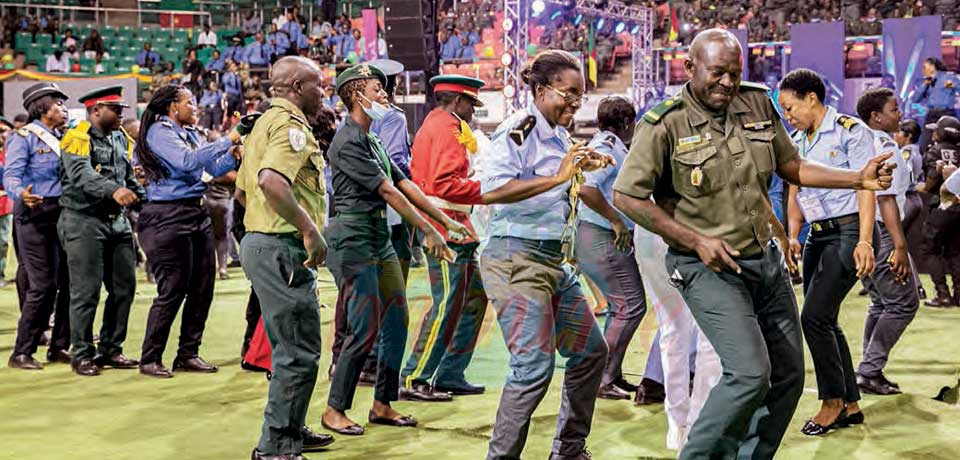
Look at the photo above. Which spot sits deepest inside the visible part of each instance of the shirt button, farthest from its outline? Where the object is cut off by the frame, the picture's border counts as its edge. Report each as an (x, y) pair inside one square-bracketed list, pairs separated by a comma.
[(753, 212), (736, 162), (744, 188)]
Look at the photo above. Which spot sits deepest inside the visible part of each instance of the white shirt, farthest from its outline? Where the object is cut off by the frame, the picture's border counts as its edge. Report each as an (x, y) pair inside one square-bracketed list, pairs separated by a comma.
[(53, 65), (280, 21), (207, 38)]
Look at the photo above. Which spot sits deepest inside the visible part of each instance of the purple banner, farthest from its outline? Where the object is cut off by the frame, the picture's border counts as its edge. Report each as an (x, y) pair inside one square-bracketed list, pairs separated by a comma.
[(369, 17), (741, 35), (819, 47), (906, 43)]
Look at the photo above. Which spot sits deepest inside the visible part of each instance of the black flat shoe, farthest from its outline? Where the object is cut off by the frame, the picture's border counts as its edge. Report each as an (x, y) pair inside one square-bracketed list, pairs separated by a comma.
[(812, 428), (404, 421), (352, 430), (850, 420)]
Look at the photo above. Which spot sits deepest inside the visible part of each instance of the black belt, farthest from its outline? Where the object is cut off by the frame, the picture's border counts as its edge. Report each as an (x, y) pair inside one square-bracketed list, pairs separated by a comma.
[(827, 225), (183, 201), (374, 214)]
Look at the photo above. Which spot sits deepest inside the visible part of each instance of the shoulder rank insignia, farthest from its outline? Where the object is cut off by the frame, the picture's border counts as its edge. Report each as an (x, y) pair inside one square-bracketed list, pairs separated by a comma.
[(751, 86), (519, 134), (298, 119), (23, 132), (847, 122), (166, 123), (76, 141), (658, 111)]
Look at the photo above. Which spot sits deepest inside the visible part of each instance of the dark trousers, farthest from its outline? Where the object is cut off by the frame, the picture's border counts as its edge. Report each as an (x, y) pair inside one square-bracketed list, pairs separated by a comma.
[(449, 330), (291, 317), (178, 241), (373, 298), (542, 311), (219, 210), (20, 277), (941, 246), (44, 277), (98, 251), (828, 275), (892, 307), (235, 104), (751, 320), (252, 312), (617, 275)]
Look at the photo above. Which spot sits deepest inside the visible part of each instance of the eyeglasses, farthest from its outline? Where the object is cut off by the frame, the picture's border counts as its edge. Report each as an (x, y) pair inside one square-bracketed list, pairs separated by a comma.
[(569, 98)]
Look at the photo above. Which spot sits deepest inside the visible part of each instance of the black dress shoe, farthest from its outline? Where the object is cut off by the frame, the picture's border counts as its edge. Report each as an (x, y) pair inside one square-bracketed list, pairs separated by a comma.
[(423, 392), (59, 356), (624, 385), (155, 370), (406, 421), (25, 362), (812, 428), (649, 392), (117, 361), (257, 455), (250, 367), (352, 430), (850, 420), (875, 386), (582, 455), (942, 300), (463, 388), (86, 368), (313, 440), (195, 364), (883, 377), (612, 392), (367, 379)]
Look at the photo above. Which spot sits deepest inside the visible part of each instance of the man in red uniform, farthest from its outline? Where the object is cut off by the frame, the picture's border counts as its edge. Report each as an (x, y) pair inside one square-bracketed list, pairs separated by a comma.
[(440, 166)]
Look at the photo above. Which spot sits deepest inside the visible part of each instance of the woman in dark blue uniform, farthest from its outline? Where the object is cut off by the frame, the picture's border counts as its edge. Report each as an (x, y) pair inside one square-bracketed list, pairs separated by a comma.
[(175, 231)]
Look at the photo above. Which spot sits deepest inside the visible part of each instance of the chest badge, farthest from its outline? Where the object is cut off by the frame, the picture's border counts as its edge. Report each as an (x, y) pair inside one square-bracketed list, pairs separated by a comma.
[(97, 168), (688, 141), (833, 154), (905, 154), (696, 177), (298, 139)]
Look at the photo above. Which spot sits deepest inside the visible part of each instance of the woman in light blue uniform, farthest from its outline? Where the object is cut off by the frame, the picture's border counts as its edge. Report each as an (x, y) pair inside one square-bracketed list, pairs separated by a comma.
[(529, 280), (839, 249)]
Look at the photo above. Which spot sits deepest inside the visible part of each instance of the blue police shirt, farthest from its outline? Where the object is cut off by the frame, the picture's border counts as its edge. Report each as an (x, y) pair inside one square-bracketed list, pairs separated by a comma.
[(450, 49), (541, 217), (914, 162), (294, 31), (901, 183), (231, 84), (467, 52), (837, 146), (234, 53), (952, 183), (216, 64), (602, 179), (346, 45), (473, 38), (279, 41), (186, 157), (30, 161), (143, 55), (938, 95), (392, 131), (257, 53), (211, 99)]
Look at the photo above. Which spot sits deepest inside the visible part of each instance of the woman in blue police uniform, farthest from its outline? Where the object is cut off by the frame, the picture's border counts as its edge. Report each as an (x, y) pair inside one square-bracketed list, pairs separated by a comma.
[(32, 178), (525, 266), (839, 249), (361, 256), (938, 93), (175, 231)]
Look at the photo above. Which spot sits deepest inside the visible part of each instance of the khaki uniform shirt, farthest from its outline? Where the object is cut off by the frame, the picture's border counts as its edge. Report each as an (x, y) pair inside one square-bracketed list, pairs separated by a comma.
[(283, 142), (712, 171)]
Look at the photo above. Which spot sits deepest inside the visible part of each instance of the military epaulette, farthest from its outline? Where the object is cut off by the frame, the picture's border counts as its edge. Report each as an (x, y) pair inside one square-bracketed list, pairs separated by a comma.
[(166, 123), (130, 143), (658, 111), (76, 141), (23, 132), (298, 119), (398, 109), (749, 85), (520, 132), (847, 122)]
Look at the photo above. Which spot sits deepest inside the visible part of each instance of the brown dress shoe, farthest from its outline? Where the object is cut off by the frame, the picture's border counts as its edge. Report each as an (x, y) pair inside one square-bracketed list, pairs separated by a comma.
[(156, 370), (25, 362), (59, 356), (195, 364), (117, 361), (86, 368), (423, 392)]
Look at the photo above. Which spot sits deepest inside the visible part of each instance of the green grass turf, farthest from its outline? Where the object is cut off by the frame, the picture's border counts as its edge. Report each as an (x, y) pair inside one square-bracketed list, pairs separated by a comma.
[(53, 414)]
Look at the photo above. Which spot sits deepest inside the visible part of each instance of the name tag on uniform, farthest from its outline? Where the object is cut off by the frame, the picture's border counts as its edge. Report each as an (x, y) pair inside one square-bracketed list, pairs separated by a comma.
[(758, 125), (812, 207), (687, 144)]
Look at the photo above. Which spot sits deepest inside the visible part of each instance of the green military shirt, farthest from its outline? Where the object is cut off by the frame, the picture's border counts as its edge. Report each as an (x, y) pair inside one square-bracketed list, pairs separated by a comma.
[(95, 165), (714, 168), (283, 142)]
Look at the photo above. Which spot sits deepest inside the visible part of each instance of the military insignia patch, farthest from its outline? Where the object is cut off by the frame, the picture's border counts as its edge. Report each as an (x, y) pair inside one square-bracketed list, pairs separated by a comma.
[(757, 125), (696, 177), (688, 140), (364, 70), (298, 139), (905, 154), (520, 133), (833, 154), (97, 168)]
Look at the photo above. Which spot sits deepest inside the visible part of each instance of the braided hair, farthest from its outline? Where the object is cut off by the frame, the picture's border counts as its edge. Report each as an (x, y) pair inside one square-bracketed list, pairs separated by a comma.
[(158, 107)]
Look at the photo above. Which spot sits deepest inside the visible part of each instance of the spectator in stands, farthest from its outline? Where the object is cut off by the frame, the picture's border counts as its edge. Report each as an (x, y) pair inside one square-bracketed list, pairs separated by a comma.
[(293, 30), (466, 49), (93, 45), (216, 63), (233, 88), (147, 58), (258, 53), (207, 37), (301, 45), (235, 51), (279, 41), (98, 64), (870, 24), (252, 24), (357, 46), (192, 72), (279, 19), (57, 62), (345, 44), (331, 99), (449, 45), (68, 39), (320, 28), (212, 103), (319, 51)]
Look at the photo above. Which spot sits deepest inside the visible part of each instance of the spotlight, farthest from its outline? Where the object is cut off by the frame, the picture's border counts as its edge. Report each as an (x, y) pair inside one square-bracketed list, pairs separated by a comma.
[(600, 23), (506, 59), (509, 92), (507, 24), (619, 27), (635, 30), (555, 15), (538, 6), (576, 20)]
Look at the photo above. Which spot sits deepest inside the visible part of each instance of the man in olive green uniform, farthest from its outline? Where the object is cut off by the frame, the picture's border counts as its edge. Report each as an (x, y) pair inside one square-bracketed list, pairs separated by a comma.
[(280, 183), (98, 183), (706, 157)]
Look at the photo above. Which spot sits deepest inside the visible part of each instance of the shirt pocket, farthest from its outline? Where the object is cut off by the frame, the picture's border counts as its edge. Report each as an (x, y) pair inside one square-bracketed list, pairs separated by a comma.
[(698, 172), (837, 157), (760, 146)]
